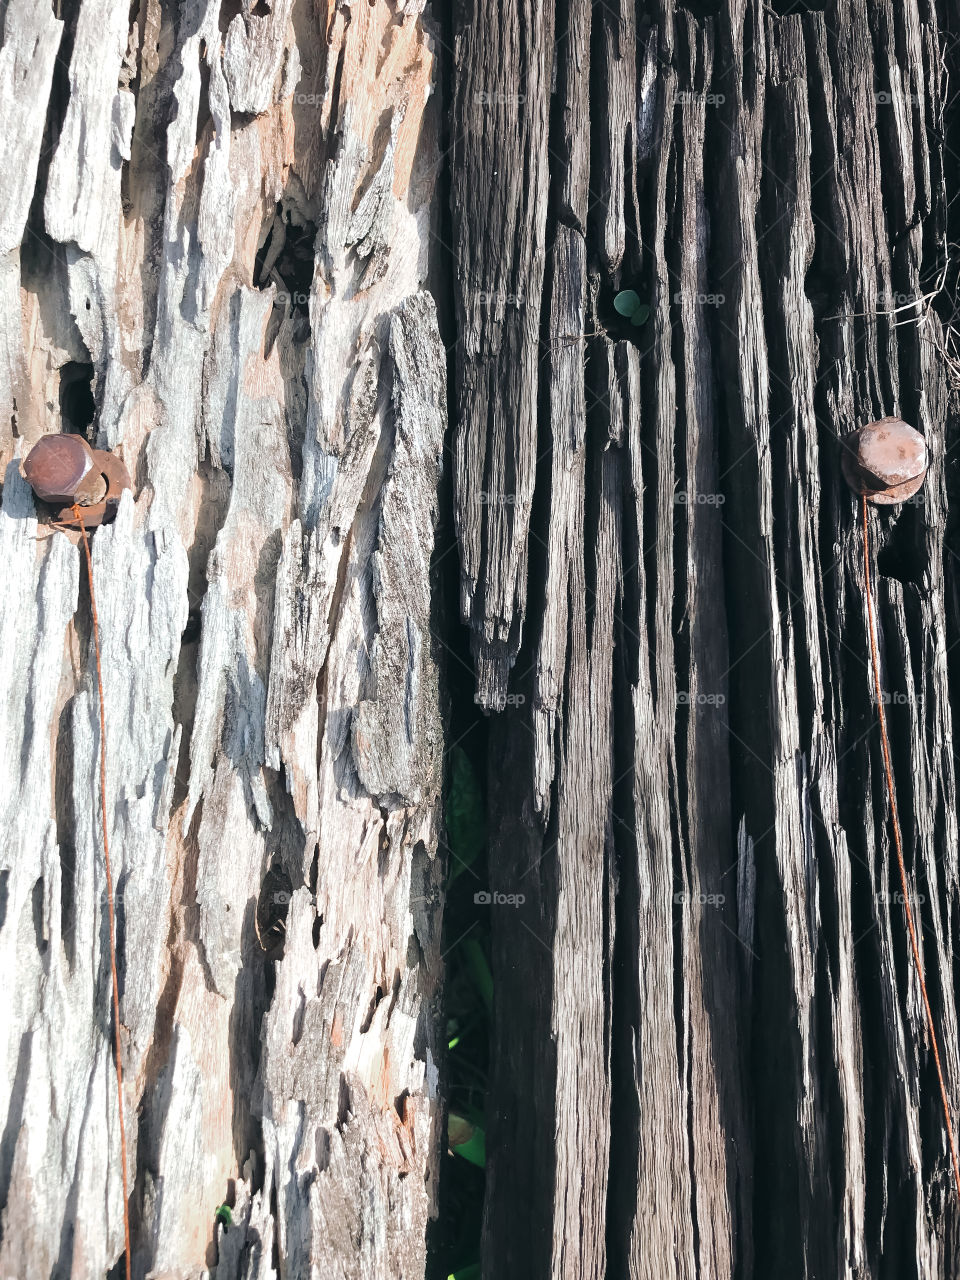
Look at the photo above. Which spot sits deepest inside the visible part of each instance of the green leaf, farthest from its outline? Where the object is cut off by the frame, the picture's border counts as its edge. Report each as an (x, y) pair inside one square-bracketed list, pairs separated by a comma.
[(466, 821), (479, 971), (626, 302), (466, 1273), (641, 315), (466, 1140)]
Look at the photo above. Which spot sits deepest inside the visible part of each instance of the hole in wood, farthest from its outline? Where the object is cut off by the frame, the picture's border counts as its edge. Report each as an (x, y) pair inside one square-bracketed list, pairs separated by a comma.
[(228, 11), (272, 907), (286, 260), (77, 405)]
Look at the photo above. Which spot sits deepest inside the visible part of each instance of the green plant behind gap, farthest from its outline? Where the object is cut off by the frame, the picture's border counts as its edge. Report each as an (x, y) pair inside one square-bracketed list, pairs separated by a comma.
[(627, 304)]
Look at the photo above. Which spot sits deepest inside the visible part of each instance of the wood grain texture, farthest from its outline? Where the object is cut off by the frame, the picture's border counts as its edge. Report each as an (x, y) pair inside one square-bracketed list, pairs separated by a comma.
[(232, 255), (708, 1055), (500, 179), (717, 1063)]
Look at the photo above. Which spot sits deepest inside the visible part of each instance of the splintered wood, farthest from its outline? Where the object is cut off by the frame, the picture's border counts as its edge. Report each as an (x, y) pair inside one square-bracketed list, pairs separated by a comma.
[(711, 1054), (232, 248)]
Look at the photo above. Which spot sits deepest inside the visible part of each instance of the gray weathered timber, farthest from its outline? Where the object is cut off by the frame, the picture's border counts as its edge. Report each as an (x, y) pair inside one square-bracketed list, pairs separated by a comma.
[(499, 177), (709, 1055), (219, 216)]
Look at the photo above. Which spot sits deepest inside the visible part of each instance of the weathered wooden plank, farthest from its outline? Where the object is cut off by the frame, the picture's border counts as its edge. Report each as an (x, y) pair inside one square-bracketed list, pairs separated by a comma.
[(768, 1062), (718, 1144), (656, 1233), (500, 179)]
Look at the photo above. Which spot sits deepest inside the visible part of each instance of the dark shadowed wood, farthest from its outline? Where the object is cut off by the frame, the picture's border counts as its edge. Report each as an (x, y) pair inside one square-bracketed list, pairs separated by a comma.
[(728, 1073)]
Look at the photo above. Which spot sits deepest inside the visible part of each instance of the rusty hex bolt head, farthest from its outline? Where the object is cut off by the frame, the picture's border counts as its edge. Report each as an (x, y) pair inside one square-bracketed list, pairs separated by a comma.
[(56, 466), (886, 461), (63, 469)]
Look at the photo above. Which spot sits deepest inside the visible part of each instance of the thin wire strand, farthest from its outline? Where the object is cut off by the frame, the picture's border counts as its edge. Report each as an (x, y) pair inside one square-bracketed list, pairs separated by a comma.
[(888, 769), (78, 513)]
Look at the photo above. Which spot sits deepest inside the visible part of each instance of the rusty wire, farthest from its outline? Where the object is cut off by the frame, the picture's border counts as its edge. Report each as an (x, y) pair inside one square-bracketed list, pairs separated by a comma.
[(78, 514), (898, 844)]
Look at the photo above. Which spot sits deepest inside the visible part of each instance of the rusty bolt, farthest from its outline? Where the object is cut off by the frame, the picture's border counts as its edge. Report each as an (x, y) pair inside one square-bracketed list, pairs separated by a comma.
[(64, 469), (886, 461), (61, 469)]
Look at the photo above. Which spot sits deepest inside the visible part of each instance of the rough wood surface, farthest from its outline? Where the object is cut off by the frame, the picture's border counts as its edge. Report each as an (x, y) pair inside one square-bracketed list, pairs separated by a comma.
[(499, 177), (708, 1053), (219, 216), (716, 1062)]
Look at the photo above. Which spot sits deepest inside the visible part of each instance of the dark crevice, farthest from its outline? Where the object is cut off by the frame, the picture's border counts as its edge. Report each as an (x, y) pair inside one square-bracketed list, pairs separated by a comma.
[(902, 553), (66, 843), (43, 261), (229, 9), (59, 88), (367, 1022), (36, 906), (273, 905), (285, 262), (786, 7), (701, 9), (119, 1269), (454, 1240), (626, 999), (204, 116), (77, 404)]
